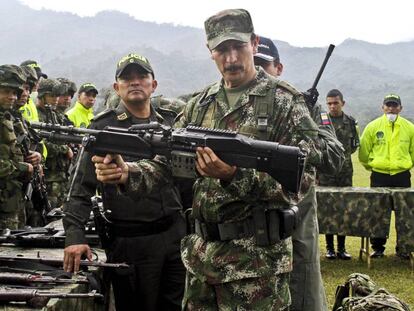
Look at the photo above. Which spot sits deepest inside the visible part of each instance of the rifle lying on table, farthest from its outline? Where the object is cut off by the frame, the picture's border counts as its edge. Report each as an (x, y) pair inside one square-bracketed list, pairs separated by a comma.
[(144, 141), (41, 238), (29, 278), (59, 262), (39, 298)]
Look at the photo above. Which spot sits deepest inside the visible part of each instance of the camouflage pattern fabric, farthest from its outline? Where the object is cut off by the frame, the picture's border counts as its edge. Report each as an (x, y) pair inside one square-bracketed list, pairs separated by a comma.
[(266, 293), (347, 133), (380, 299), (362, 212), (403, 202), (219, 262), (57, 164), (12, 171)]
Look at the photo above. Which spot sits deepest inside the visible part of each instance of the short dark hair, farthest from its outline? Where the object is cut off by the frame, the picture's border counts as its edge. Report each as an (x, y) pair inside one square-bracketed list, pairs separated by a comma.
[(335, 93)]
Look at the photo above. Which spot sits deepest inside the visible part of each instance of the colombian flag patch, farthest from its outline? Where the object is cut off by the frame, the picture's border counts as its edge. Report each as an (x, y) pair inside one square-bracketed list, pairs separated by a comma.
[(325, 119)]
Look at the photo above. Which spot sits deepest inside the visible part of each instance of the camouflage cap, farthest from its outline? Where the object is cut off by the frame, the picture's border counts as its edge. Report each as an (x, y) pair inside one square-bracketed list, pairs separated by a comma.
[(234, 24), (34, 64), (31, 75), (135, 59), (69, 86), (49, 86), (12, 76), (392, 98), (87, 87)]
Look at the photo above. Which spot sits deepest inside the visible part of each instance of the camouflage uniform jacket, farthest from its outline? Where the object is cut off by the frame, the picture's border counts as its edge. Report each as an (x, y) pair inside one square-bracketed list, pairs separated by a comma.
[(13, 174), (346, 129), (56, 162), (289, 123)]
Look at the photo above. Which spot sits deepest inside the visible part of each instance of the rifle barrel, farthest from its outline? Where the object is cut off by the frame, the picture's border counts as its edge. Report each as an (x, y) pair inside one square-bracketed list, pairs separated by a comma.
[(325, 61)]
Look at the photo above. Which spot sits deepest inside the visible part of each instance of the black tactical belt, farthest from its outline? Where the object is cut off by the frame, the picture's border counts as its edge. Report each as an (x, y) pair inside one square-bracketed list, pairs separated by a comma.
[(266, 226), (142, 228)]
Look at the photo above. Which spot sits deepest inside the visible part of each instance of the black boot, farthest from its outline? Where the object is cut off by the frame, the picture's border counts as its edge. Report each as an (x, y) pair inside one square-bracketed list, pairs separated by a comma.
[(330, 250), (343, 254)]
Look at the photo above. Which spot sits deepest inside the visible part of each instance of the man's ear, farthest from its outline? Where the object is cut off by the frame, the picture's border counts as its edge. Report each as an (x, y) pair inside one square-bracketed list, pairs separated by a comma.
[(255, 44), (279, 69), (211, 52), (154, 85), (116, 87)]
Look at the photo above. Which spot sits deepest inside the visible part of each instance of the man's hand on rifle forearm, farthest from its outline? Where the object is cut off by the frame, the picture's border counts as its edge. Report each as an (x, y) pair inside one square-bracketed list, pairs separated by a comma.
[(111, 169), (73, 254), (209, 165), (34, 158)]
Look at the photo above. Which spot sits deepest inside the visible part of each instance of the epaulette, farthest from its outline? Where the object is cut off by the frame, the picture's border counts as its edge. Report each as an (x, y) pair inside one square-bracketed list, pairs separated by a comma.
[(352, 119), (102, 114), (288, 87)]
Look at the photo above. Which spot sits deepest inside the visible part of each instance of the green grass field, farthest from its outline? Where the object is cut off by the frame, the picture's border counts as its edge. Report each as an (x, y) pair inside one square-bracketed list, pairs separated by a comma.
[(389, 272)]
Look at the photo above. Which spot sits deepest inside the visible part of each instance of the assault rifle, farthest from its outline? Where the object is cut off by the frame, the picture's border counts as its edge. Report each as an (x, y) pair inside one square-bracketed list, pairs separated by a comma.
[(311, 95), (144, 141), (36, 189), (29, 278), (39, 298), (59, 262)]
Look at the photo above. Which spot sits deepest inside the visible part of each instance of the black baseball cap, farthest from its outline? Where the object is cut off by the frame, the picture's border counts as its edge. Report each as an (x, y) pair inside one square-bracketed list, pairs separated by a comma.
[(87, 87), (34, 64), (392, 98), (133, 59), (267, 50)]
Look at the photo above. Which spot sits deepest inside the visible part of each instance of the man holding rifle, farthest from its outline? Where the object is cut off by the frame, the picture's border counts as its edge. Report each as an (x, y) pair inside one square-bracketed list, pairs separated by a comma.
[(240, 254), (146, 228)]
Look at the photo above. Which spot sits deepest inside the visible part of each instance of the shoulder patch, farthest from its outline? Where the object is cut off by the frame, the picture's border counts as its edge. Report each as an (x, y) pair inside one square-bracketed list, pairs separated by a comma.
[(325, 119), (288, 87), (102, 114)]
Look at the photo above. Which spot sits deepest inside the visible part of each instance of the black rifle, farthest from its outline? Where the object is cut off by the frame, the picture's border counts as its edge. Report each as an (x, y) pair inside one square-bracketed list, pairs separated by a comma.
[(36, 190), (39, 298), (101, 221), (311, 95), (30, 278), (145, 141), (59, 262)]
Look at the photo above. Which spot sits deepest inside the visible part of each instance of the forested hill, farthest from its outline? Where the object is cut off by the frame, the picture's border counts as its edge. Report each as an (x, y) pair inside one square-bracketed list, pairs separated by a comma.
[(87, 48)]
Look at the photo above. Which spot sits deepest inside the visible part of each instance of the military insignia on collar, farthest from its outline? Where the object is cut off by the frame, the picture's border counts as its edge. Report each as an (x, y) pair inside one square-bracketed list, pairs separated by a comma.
[(122, 116), (325, 119)]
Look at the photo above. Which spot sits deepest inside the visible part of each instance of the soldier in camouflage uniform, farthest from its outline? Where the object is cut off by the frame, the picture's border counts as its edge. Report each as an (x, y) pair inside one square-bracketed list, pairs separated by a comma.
[(59, 156), (68, 90), (15, 172), (346, 128), (240, 270), (306, 285)]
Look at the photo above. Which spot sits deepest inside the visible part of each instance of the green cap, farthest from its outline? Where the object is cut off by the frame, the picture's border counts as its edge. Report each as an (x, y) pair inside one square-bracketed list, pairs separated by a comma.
[(135, 59), (87, 87), (235, 24), (34, 64), (12, 76), (31, 75), (392, 98)]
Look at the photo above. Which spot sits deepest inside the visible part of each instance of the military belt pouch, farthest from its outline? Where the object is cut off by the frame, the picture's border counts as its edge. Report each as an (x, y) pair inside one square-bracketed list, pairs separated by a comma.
[(142, 228), (267, 226)]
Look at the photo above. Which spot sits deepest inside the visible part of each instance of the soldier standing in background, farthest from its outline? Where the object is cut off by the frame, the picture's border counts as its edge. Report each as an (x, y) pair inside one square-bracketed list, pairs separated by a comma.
[(15, 172), (68, 90), (29, 110), (306, 286), (147, 227), (81, 113), (59, 156), (346, 128)]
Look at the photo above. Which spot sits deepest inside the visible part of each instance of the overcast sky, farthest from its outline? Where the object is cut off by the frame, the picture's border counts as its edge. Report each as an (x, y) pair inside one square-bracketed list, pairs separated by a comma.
[(299, 22)]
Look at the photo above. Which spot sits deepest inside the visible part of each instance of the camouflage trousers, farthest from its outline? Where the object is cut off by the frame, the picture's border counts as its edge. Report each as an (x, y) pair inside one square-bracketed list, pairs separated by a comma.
[(12, 212), (306, 285), (57, 191), (266, 293)]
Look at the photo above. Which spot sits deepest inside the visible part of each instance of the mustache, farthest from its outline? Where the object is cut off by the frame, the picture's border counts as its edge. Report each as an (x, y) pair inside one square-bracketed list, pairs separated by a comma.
[(233, 68)]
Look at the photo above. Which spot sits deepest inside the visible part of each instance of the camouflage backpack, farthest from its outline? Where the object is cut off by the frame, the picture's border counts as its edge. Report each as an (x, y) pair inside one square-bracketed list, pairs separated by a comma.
[(360, 293)]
